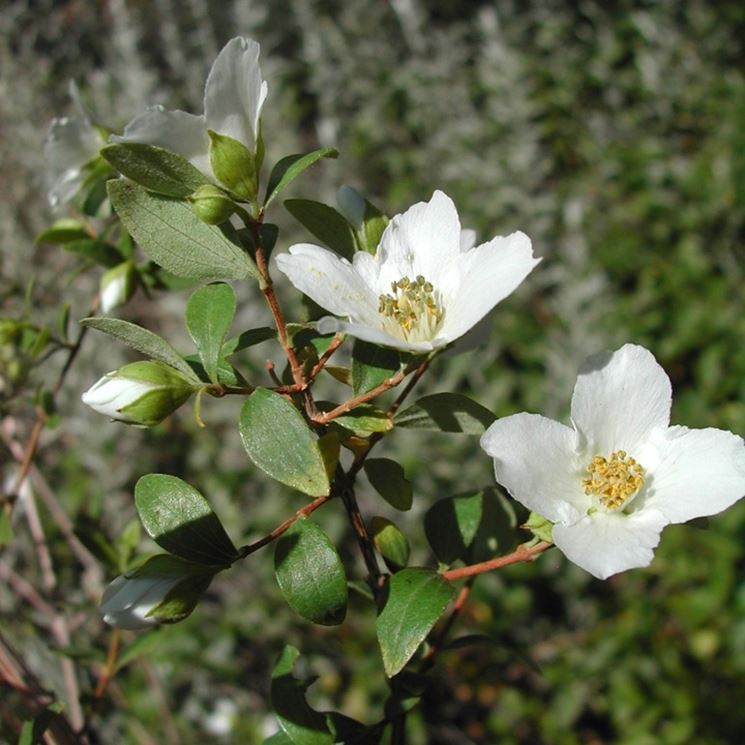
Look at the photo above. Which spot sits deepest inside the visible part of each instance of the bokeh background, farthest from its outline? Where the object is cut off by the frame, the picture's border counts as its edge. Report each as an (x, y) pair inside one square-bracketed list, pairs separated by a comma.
[(614, 135)]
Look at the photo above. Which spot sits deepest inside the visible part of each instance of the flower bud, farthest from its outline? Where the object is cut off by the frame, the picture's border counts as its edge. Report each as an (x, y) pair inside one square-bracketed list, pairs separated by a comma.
[(164, 589), (117, 286), (211, 204), (143, 393)]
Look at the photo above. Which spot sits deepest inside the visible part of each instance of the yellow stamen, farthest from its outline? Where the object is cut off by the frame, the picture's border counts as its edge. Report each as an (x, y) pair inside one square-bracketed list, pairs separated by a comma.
[(414, 306), (615, 480)]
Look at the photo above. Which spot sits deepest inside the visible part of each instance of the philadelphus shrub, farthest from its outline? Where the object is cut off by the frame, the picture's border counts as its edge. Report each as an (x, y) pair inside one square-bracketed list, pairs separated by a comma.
[(189, 194)]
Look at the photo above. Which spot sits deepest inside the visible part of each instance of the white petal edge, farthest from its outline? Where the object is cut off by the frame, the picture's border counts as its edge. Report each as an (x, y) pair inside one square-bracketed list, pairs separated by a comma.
[(701, 472), (490, 272), (331, 325), (604, 544), (535, 460), (423, 240), (330, 281), (235, 92), (620, 399), (178, 131)]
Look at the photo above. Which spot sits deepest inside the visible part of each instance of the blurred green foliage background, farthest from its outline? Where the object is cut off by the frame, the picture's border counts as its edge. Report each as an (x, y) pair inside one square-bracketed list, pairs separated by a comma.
[(614, 135)]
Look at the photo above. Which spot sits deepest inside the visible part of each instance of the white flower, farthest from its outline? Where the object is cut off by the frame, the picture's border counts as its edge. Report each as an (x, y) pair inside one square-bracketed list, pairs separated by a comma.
[(613, 480), (117, 286), (233, 97), (71, 143), (426, 285), (141, 393), (127, 601)]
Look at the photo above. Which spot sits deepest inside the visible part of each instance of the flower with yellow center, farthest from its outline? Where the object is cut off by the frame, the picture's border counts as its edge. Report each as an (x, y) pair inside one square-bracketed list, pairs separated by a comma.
[(426, 285), (612, 481)]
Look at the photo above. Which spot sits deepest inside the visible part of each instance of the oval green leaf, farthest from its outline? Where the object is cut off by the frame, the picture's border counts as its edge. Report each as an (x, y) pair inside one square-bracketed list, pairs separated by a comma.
[(142, 340), (417, 597), (285, 171), (180, 520), (371, 365), (279, 442), (391, 543), (155, 168), (301, 724), (209, 313), (388, 479), (175, 238), (325, 223), (310, 574), (446, 412)]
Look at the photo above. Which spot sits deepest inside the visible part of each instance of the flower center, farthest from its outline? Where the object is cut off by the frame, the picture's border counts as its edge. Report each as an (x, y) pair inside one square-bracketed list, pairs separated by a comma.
[(413, 306), (615, 480)]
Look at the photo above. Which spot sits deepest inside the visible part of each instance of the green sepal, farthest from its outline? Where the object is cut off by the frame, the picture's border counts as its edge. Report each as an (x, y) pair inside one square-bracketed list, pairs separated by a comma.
[(540, 527), (234, 165)]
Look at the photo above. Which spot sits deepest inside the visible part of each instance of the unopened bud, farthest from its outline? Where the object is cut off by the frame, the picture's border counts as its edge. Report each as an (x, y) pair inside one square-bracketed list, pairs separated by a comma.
[(143, 393), (163, 590), (211, 204)]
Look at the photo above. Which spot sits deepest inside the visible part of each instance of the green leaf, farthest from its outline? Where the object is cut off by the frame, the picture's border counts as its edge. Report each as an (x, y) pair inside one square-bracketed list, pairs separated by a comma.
[(278, 738), (391, 543), (247, 339), (363, 418), (325, 223), (234, 165), (180, 520), (155, 168), (371, 365), (446, 412), (373, 225), (64, 230), (301, 724), (388, 479), (279, 442), (285, 171), (310, 574), (91, 248), (417, 597), (143, 341), (209, 313), (473, 526), (174, 237)]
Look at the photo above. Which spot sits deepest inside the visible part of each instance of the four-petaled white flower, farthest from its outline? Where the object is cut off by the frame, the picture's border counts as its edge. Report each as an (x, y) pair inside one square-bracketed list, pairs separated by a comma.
[(233, 97), (71, 143), (613, 480), (426, 285)]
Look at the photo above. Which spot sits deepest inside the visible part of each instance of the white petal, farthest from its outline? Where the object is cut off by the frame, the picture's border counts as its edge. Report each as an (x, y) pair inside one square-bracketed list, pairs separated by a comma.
[(489, 273), (69, 145), (330, 281), (109, 395), (701, 472), (423, 240), (127, 601), (620, 399), (178, 131), (607, 543), (375, 335), (235, 92), (534, 460), (467, 239)]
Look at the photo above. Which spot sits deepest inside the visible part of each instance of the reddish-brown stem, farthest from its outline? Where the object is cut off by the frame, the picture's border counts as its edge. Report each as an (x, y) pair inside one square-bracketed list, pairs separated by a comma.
[(336, 342), (386, 385), (245, 551), (110, 667), (521, 553)]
